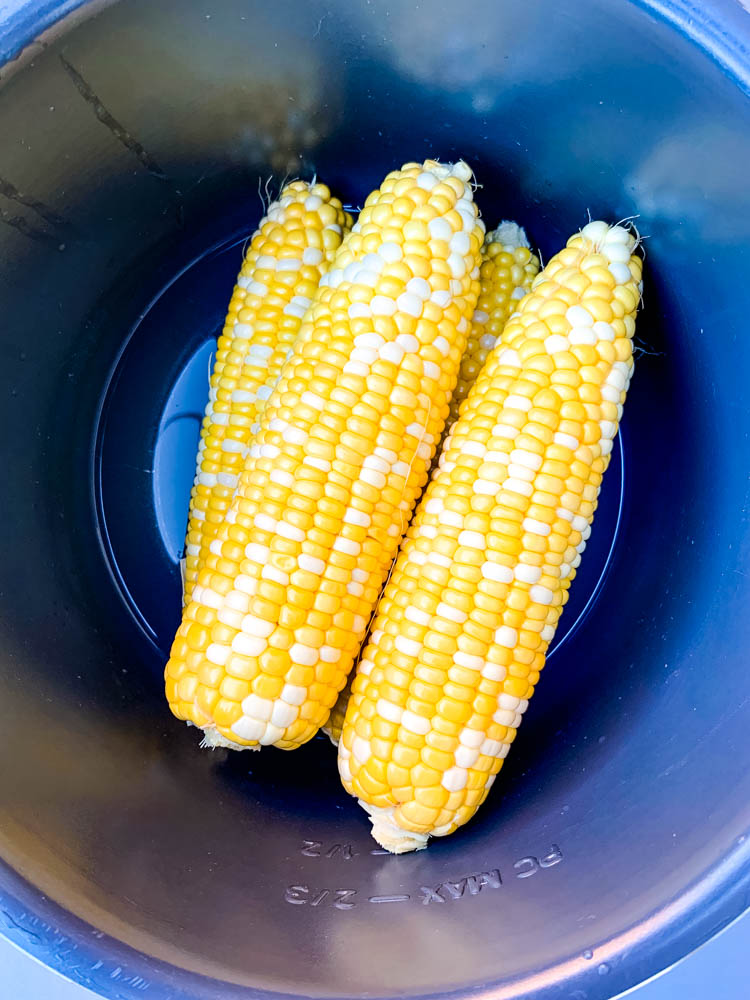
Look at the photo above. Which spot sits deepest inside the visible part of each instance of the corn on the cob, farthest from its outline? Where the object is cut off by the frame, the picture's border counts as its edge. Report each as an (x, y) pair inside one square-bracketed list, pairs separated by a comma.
[(507, 270), (292, 248), (461, 632), (346, 438)]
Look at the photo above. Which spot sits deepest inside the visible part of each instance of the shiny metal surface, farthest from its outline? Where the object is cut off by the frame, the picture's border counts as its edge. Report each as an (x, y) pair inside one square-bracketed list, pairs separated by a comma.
[(133, 141), (718, 968)]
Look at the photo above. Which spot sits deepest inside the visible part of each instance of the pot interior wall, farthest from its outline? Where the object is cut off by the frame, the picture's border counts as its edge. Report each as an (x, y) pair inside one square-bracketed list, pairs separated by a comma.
[(134, 151)]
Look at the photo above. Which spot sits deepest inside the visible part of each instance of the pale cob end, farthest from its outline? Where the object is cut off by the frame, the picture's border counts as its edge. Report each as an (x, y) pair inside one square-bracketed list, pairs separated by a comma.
[(290, 251), (461, 632), (508, 234), (389, 835), (343, 450), (213, 740)]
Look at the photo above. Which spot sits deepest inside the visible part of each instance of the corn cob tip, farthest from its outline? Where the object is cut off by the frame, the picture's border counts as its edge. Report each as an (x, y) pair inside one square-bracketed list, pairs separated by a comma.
[(213, 740), (389, 835), (602, 236), (459, 169), (509, 234)]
